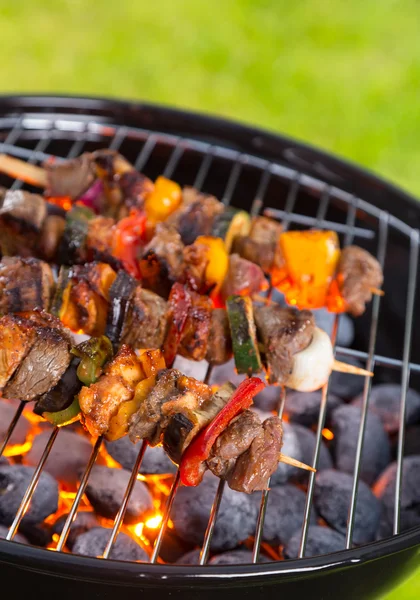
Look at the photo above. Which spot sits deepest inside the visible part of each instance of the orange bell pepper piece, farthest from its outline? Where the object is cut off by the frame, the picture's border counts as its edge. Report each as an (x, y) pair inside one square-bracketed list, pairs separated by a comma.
[(163, 200), (310, 263)]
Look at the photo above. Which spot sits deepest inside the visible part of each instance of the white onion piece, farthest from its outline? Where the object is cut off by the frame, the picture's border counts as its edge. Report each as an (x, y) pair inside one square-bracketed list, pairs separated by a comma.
[(313, 365)]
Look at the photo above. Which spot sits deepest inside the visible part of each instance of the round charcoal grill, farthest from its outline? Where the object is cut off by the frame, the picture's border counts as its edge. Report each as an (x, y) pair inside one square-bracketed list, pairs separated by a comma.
[(266, 174)]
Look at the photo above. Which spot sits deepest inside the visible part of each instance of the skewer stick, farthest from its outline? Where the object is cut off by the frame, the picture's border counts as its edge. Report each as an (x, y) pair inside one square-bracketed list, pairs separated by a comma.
[(288, 460), (19, 169), (377, 291), (343, 367)]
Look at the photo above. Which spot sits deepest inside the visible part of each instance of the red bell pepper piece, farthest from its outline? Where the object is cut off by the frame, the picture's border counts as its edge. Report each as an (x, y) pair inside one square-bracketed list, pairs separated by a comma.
[(191, 467), (179, 306), (129, 235)]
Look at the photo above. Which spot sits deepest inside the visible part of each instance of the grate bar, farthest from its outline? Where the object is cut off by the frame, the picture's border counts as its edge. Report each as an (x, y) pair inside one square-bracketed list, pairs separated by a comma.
[(264, 497), (77, 499), (165, 518), (205, 550), (382, 361), (290, 201), (122, 510), (405, 375), (323, 206), (204, 169), (11, 427), (145, 152), (233, 180), (382, 245), (258, 202), (319, 223), (173, 161), (23, 507)]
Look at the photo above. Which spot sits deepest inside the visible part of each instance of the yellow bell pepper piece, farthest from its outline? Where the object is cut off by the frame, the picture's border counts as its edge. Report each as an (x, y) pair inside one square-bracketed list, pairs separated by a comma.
[(118, 425), (218, 259), (310, 259), (163, 200)]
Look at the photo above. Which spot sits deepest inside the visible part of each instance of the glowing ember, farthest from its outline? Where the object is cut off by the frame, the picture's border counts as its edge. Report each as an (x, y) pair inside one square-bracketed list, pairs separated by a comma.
[(154, 522), (17, 449), (138, 529), (328, 434)]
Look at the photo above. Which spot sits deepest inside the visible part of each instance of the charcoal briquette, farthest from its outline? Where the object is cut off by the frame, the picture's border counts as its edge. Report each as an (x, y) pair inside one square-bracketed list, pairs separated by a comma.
[(320, 540), (94, 541), (237, 557), (84, 521), (332, 496), (376, 448), (105, 491), (14, 480), (155, 460), (307, 441), (304, 407), (191, 509)]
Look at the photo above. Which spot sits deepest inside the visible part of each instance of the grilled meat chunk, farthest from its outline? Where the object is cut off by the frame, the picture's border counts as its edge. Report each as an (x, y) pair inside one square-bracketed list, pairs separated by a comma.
[(192, 410), (50, 236), (161, 261), (196, 330), (233, 442), (16, 338), (146, 320), (244, 278), (100, 401), (99, 239), (261, 245), (358, 272), (196, 215), (22, 215), (82, 296), (25, 284), (145, 423), (44, 364), (195, 261), (284, 332), (219, 343), (254, 467), (70, 177), (124, 187)]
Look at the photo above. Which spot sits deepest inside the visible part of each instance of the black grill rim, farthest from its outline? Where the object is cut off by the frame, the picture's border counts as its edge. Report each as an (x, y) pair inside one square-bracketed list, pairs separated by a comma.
[(270, 146)]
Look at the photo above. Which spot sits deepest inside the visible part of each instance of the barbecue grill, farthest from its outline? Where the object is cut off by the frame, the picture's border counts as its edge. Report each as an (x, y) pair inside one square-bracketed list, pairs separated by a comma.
[(267, 174)]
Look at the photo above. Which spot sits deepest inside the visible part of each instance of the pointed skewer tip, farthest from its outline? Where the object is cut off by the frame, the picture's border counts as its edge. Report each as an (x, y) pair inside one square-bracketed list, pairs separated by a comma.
[(288, 460), (343, 367)]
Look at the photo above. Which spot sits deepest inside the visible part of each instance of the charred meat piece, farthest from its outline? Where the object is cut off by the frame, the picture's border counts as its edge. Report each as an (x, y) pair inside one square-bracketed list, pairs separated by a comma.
[(25, 284), (70, 177), (161, 262), (189, 412), (233, 442), (124, 187), (81, 300), (100, 239), (261, 245), (358, 273), (44, 364), (244, 278), (16, 338), (195, 260), (284, 332), (22, 215), (146, 320), (145, 422), (50, 236), (254, 467), (196, 329), (100, 401), (196, 215), (219, 343), (120, 293)]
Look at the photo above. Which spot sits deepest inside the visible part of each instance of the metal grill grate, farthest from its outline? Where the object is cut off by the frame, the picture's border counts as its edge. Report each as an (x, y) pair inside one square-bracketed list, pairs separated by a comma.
[(35, 137)]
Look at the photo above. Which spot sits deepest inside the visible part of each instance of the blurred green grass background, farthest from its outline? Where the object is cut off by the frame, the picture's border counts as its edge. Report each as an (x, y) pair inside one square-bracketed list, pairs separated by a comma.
[(344, 76)]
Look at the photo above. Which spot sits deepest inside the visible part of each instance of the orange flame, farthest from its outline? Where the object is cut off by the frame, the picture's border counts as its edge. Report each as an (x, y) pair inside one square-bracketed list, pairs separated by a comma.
[(328, 434)]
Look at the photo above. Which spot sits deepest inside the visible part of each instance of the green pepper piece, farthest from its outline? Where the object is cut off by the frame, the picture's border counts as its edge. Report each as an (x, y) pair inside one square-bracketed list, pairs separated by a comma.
[(93, 354), (66, 416)]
